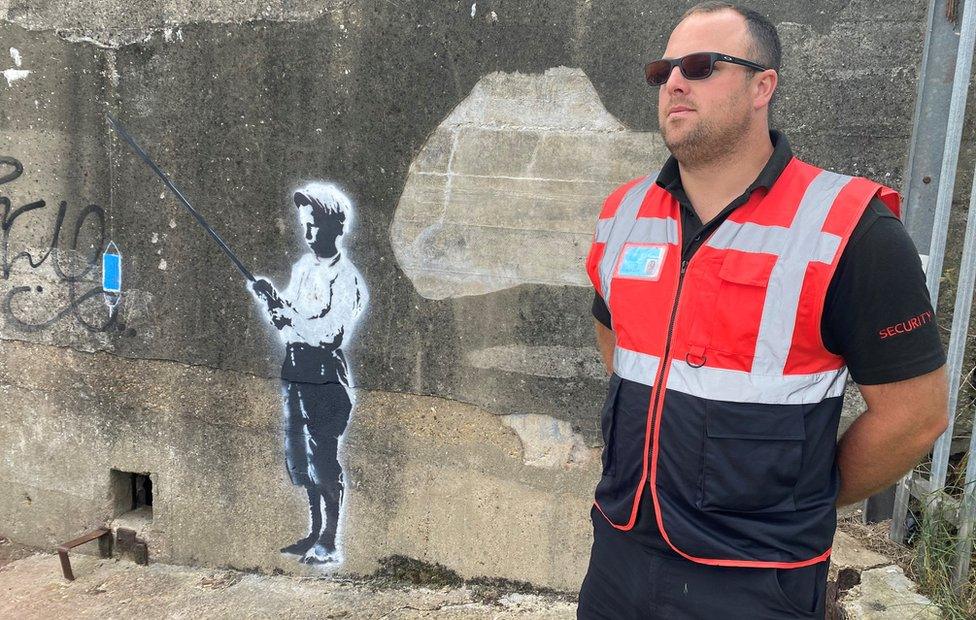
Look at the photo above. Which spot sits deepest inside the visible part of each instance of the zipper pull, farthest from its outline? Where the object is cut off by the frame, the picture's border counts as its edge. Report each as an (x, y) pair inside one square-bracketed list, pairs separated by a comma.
[(684, 265)]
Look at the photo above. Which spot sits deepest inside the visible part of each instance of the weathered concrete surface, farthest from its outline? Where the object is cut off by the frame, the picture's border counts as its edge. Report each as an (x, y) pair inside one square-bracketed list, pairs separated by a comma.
[(113, 23), (887, 594), (849, 553), (426, 478), (854, 406), (504, 191), (33, 588), (237, 127), (448, 484)]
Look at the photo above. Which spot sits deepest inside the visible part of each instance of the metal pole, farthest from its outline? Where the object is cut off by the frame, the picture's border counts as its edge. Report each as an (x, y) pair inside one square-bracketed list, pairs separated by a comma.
[(921, 182), (957, 340), (950, 157), (940, 227), (957, 346), (940, 456), (967, 516)]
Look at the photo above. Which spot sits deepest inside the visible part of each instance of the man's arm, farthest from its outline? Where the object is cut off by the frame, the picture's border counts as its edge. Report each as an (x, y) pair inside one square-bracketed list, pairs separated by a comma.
[(605, 341), (901, 423)]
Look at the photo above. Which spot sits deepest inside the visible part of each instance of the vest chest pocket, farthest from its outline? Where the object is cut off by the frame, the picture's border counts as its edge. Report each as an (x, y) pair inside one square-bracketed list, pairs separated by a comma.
[(751, 457), (736, 315)]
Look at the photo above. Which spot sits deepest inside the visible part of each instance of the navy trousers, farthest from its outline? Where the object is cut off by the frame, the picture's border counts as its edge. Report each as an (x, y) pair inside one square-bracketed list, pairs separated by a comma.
[(628, 579)]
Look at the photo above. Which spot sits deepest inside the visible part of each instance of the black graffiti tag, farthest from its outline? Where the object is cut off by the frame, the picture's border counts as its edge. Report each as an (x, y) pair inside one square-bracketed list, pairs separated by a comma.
[(91, 219)]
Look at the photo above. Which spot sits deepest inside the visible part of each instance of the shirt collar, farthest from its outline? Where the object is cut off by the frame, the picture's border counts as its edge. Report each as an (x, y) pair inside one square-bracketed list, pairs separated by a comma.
[(670, 178)]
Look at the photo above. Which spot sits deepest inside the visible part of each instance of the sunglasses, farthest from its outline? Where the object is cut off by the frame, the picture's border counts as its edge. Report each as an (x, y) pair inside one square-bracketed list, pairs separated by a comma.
[(697, 66)]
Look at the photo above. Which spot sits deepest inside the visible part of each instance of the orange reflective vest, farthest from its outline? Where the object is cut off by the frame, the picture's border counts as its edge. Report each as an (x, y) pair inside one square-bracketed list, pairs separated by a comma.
[(724, 403)]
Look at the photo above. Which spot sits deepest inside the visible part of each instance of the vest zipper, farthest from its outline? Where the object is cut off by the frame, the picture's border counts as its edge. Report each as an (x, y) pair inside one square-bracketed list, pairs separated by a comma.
[(667, 346)]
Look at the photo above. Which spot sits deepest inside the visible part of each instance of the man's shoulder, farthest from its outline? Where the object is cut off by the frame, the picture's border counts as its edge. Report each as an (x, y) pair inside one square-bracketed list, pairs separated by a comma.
[(615, 197), (878, 229)]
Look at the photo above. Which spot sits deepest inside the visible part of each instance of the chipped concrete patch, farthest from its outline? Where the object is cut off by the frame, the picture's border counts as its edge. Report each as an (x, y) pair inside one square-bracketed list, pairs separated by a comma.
[(886, 593), (849, 553), (506, 191), (558, 362), (548, 442), (452, 488)]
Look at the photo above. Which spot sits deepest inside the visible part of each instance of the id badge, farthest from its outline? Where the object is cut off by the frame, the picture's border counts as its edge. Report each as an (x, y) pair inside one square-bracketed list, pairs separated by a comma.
[(642, 261)]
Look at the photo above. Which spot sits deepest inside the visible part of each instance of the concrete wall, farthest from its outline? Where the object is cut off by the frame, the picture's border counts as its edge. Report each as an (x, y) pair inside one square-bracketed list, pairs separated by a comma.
[(475, 142)]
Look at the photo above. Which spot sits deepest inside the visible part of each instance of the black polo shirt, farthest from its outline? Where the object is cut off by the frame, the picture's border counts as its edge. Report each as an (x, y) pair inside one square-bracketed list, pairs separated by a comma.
[(877, 289), (877, 292)]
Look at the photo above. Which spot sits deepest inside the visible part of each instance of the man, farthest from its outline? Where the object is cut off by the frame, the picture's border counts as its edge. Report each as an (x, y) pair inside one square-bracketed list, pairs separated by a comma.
[(735, 290), (319, 308)]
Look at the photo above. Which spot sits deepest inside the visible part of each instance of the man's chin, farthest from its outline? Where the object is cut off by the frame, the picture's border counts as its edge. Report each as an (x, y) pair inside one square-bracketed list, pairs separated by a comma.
[(675, 137)]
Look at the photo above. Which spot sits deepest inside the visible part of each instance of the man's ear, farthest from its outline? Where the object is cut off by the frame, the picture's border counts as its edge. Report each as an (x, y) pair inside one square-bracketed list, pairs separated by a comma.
[(765, 85)]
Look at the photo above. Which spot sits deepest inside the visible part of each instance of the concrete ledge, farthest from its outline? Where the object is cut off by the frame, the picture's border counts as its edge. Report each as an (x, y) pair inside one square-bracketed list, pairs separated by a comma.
[(886, 594)]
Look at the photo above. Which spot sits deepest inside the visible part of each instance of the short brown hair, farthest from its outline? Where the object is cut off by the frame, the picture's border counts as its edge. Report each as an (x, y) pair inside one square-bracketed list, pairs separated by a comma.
[(765, 40)]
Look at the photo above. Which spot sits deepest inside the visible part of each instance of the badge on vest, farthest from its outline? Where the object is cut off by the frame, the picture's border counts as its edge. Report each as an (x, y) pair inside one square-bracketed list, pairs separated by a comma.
[(642, 261)]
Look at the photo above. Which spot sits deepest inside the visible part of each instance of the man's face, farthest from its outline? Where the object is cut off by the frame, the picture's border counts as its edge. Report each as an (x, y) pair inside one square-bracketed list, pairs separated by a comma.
[(702, 119)]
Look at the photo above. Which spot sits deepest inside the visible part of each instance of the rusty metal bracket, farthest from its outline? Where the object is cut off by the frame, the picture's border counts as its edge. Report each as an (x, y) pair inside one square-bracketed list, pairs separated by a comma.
[(104, 537)]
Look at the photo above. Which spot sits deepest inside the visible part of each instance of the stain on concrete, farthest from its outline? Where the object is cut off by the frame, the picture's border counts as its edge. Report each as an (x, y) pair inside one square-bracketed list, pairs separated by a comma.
[(558, 362), (505, 190), (116, 23)]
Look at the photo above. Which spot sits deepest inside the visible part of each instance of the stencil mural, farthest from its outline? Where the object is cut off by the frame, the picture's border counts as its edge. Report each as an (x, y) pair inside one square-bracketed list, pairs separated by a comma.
[(315, 314)]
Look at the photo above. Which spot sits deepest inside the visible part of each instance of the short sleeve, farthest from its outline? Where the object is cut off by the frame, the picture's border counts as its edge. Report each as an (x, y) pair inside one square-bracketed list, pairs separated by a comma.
[(877, 314), (600, 311)]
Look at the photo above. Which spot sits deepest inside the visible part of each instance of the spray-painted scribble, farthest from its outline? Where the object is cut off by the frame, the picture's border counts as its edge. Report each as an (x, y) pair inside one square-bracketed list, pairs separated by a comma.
[(91, 220), (314, 315)]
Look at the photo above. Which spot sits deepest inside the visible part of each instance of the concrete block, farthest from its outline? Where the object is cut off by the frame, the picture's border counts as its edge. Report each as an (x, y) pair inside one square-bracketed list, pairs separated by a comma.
[(848, 553), (886, 593)]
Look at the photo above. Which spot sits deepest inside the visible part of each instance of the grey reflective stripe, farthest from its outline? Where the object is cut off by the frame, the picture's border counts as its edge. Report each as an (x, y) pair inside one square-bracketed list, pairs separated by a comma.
[(654, 230), (750, 237), (623, 222), (603, 230), (634, 366), (743, 387), (796, 246)]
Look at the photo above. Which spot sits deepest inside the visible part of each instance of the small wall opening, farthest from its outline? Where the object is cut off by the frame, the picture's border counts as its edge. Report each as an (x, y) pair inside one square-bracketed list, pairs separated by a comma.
[(131, 492)]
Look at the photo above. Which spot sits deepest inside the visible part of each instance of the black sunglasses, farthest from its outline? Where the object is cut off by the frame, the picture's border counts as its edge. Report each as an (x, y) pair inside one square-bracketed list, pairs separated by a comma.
[(697, 66)]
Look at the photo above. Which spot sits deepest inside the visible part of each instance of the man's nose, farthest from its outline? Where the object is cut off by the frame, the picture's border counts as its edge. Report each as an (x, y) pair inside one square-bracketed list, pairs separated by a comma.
[(677, 82)]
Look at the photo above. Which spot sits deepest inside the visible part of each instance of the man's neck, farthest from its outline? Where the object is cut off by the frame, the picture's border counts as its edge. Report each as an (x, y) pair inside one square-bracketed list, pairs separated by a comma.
[(712, 185)]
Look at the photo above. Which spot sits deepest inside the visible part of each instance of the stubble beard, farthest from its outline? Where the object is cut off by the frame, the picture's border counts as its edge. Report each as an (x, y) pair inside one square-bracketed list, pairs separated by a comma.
[(707, 141)]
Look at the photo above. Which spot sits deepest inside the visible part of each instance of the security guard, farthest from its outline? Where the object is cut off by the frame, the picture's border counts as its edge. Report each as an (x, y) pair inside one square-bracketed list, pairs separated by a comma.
[(735, 291)]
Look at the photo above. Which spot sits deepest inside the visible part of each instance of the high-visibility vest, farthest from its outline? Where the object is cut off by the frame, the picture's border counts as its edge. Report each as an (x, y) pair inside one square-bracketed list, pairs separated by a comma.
[(724, 403)]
